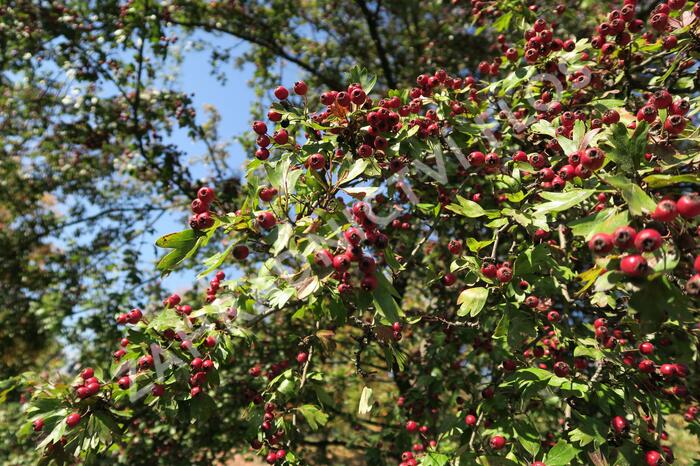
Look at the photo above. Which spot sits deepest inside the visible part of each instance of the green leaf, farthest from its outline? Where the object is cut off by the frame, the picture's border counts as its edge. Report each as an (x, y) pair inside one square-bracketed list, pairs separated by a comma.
[(467, 208), (365, 78), (605, 221), (661, 181), (527, 436), (561, 454), (563, 201), (313, 415), (637, 200), (202, 406), (589, 430), (495, 461), (283, 234), (178, 240), (366, 401), (476, 246), (626, 151), (357, 169), (433, 458), (657, 301), (472, 301), (589, 352), (214, 262), (384, 301)]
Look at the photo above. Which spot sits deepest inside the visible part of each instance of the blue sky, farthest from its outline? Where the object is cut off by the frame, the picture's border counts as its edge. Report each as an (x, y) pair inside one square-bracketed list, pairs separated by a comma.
[(233, 101)]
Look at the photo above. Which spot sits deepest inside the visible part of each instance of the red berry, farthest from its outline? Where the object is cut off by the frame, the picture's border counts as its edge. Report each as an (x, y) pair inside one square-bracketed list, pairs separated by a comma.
[(497, 442), (648, 240), (646, 366), (38, 425), (241, 251), (73, 419), (281, 92), (666, 211), (411, 426), (601, 243), (620, 424), (300, 88), (634, 265), (470, 420), (124, 382), (206, 195), (667, 370), (259, 127), (652, 458), (689, 205), (266, 220), (624, 237), (646, 348), (504, 274), (317, 161), (302, 357), (341, 263)]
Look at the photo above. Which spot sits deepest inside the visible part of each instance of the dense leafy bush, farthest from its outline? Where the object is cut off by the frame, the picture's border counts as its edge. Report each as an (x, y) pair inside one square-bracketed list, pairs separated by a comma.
[(491, 267)]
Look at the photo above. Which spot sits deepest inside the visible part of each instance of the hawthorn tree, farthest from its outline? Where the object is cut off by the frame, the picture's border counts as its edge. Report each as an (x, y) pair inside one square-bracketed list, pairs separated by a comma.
[(492, 266)]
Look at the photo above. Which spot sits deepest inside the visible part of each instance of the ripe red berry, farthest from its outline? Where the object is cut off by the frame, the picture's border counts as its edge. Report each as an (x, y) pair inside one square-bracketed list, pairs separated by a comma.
[(449, 279), (158, 390), (652, 458), (369, 283), (497, 442), (470, 420), (281, 92), (666, 211), (259, 127), (38, 425), (477, 158), (561, 369), (489, 270), (648, 240), (266, 220), (341, 263), (624, 237), (73, 419), (620, 424), (241, 251), (367, 265), (317, 161), (353, 236), (455, 247), (300, 88), (281, 137), (634, 265), (206, 195), (504, 274), (124, 382), (592, 158), (135, 316), (601, 243), (411, 426), (646, 348), (689, 205), (646, 366)]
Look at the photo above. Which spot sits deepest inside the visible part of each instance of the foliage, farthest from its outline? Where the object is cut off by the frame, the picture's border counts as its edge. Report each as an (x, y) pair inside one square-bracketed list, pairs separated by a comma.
[(431, 275)]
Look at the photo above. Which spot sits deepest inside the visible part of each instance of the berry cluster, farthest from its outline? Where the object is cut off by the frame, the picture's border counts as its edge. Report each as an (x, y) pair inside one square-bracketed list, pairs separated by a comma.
[(201, 218)]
